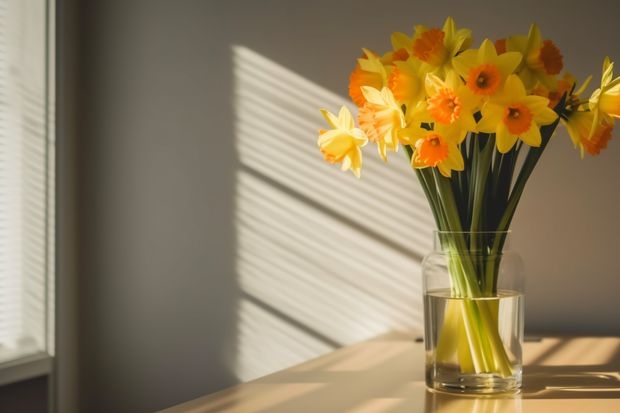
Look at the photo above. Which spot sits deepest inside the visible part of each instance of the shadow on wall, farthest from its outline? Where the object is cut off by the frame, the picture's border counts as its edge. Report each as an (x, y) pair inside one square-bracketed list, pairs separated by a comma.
[(323, 259)]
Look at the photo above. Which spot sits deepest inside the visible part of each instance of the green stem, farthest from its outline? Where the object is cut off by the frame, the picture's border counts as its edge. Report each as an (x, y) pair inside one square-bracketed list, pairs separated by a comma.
[(533, 155), (480, 178)]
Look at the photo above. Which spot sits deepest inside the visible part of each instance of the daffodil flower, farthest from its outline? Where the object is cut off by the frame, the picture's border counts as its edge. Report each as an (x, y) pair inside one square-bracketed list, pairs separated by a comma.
[(484, 70), (588, 136), (450, 102), (542, 60), (605, 101), (369, 71), (437, 47), (406, 81), (342, 143), (513, 115), (437, 148), (381, 118)]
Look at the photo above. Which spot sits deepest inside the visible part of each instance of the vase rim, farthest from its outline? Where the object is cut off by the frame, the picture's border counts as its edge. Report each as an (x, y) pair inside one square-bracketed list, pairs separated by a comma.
[(439, 231), (502, 237)]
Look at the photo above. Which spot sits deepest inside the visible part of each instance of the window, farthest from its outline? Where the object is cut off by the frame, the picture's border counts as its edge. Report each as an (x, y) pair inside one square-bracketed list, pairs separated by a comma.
[(26, 180)]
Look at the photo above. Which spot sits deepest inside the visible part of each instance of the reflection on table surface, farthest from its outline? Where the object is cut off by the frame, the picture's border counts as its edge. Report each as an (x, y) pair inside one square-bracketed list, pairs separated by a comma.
[(386, 375)]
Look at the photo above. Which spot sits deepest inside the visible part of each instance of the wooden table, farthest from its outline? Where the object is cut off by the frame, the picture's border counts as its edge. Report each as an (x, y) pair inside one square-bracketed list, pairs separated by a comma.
[(386, 375)]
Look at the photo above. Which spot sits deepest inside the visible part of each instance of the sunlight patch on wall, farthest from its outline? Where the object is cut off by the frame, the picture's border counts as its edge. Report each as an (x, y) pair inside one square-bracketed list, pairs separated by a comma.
[(323, 259)]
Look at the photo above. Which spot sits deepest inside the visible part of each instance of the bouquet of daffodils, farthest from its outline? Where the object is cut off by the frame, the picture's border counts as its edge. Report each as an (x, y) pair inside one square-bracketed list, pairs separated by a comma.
[(464, 117)]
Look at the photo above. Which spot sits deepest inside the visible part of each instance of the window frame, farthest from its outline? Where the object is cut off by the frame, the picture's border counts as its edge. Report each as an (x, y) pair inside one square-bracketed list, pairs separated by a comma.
[(38, 363)]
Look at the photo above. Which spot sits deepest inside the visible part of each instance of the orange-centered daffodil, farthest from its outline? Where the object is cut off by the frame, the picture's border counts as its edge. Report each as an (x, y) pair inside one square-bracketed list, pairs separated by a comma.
[(542, 60), (484, 70), (513, 115), (437, 148), (437, 47), (369, 71), (579, 126), (406, 81), (450, 102)]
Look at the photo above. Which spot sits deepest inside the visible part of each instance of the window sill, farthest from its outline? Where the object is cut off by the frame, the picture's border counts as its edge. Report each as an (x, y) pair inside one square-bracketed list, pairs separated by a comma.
[(27, 367)]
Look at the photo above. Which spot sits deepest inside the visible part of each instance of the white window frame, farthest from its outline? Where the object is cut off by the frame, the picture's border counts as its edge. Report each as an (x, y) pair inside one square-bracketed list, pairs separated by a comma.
[(29, 58)]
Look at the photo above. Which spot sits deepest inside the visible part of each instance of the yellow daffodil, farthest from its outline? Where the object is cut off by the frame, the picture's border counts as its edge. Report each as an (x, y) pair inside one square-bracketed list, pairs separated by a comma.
[(579, 126), (369, 71), (342, 143), (484, 70), (437, 47), (437, 148), (542, 60), (406, 81), (381, 118), (450, 102), (605, 101), (512, 114)]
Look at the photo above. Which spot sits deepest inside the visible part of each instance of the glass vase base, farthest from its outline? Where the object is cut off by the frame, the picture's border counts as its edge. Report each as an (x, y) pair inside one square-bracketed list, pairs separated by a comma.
[(451, 380)]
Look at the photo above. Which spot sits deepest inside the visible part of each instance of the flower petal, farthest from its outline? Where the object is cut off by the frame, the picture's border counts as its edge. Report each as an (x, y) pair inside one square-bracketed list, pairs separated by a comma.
[(345, 119), (503, 139), (491, 117), (514, 87), (372, 95), (532, 136), (331, 119), (508, 62), (455, 158)]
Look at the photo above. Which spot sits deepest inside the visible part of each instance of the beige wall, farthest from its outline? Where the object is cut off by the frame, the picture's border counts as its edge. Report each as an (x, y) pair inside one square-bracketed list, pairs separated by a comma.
[(215, 245)]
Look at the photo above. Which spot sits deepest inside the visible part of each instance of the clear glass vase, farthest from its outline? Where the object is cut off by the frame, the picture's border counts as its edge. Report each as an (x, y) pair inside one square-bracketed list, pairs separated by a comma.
[(473, 313)]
